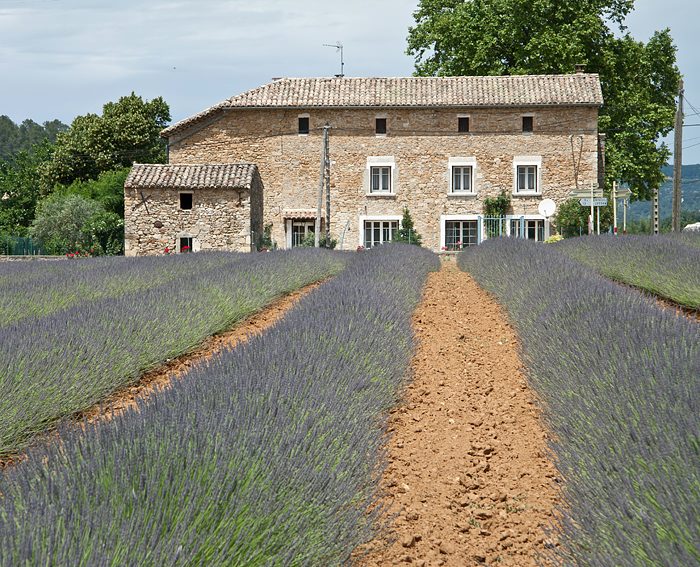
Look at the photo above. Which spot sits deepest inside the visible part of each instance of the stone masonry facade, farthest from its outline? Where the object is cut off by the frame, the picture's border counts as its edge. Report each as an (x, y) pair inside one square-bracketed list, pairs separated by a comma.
[(220, 218), (421, 148)]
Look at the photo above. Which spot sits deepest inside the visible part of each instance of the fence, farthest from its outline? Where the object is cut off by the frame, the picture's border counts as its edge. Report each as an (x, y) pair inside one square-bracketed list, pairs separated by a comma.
[(20, 246)]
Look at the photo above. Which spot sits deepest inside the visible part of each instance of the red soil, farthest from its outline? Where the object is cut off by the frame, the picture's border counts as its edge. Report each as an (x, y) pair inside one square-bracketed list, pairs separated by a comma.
[(468, 473)]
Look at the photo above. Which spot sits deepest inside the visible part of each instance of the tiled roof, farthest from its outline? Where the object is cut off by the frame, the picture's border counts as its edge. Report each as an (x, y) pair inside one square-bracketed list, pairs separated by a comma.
[(391, 92), (299, 213), (185, 176)]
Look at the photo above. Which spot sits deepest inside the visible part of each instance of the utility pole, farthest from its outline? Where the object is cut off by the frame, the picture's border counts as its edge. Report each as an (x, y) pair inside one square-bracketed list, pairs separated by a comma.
[(592, 217), (614, 197), (321, 183), (678, 161), (655, 212), (326, 141)]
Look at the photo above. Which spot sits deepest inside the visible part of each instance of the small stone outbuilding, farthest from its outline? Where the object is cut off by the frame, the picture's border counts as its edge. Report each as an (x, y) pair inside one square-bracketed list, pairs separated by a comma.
[(192, 207)]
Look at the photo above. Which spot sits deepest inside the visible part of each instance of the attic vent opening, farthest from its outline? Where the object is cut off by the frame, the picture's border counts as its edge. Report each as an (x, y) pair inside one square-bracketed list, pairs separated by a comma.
[(380, 126), (186, 201)]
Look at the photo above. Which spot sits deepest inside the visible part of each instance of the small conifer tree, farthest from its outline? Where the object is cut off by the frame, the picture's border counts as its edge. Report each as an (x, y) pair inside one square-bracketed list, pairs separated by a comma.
[(407, 233)]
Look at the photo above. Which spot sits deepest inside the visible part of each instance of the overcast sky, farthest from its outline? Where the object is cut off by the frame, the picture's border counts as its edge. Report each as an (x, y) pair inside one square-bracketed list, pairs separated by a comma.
[(62, 58)]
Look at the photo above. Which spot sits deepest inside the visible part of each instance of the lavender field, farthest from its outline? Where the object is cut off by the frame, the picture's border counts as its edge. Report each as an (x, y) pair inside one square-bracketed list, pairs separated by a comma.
[(668, 266), (72, 332), (619, 379), (267, 455)]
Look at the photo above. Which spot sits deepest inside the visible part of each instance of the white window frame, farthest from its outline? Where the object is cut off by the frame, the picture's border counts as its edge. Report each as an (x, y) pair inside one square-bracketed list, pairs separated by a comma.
[(289, 222), (461, 162), (525, 161), (510, 218), (363, 218), (179, 200), (443, 229), (303, 115), (195, 242), (380, 161)]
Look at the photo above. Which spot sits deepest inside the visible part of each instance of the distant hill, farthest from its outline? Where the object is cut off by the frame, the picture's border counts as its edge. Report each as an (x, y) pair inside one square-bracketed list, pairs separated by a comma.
[(17, 137), (690, 183)]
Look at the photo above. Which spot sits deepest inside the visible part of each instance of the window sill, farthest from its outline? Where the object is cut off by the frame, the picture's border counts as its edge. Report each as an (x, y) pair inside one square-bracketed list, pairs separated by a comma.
[(527, 193), (463, 194), (381, 195)]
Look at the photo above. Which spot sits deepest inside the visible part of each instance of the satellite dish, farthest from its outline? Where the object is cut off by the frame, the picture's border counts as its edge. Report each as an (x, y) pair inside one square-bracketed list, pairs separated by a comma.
[(547, 207)]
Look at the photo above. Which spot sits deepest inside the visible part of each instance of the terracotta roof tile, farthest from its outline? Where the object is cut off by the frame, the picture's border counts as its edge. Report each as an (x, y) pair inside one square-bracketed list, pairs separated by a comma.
[(392, 92), (185, 176)]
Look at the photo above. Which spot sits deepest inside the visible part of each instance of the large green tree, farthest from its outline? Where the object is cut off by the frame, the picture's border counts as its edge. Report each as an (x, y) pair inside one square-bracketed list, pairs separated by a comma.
[(127, 131), (512, 37), (19, 189)]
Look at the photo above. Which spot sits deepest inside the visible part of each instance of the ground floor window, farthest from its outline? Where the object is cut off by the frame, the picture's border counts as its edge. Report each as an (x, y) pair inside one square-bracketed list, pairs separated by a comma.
[(185, 244), (302, 229), (533, 229), (379, 232), (460, 233)]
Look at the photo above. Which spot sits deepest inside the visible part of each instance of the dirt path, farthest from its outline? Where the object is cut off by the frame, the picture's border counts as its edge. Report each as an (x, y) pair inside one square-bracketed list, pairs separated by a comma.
[(163, 376), (467, 470)]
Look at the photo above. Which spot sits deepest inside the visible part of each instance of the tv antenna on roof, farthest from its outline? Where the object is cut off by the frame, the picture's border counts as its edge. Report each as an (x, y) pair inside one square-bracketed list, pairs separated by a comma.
[(339, 47)]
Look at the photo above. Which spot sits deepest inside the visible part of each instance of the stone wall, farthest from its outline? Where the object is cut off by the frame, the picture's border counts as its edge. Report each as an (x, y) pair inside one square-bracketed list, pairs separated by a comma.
[(220, 219), (420, 142)]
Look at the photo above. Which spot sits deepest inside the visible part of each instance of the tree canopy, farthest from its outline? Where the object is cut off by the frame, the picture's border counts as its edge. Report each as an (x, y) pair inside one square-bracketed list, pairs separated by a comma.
[(15, 138), (513, 37), (70, 193), (128, 131), (19, 189)]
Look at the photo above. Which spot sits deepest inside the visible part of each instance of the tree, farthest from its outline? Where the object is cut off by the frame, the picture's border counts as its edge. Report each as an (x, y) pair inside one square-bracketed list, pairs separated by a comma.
[(407, 233), (70, 223), (513, 37), (19, 188), (107, 190), (14, 138), (572, 218), (128, 131)]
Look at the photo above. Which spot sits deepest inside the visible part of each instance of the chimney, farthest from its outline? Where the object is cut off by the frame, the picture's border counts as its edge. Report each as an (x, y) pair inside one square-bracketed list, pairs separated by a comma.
[(580, 68)]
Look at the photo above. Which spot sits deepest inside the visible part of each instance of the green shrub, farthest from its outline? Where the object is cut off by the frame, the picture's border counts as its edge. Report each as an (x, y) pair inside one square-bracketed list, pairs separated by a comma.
[(407, 234)]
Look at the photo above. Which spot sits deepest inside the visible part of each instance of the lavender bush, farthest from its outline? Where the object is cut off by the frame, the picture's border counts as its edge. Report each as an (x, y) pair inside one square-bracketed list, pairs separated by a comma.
[(663, 265), (687, 238), (619, 378), (57, 364), (34, 289), (268, 455)]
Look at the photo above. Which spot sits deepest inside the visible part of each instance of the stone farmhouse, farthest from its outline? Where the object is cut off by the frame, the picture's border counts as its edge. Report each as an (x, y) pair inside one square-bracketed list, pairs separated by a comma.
[(438, 146)]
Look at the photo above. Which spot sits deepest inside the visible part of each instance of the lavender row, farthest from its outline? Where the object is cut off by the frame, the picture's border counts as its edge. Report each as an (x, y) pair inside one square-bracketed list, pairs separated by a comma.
[(666, 266), (267, 455), (59, 364), (619, 379), (40, 288)]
